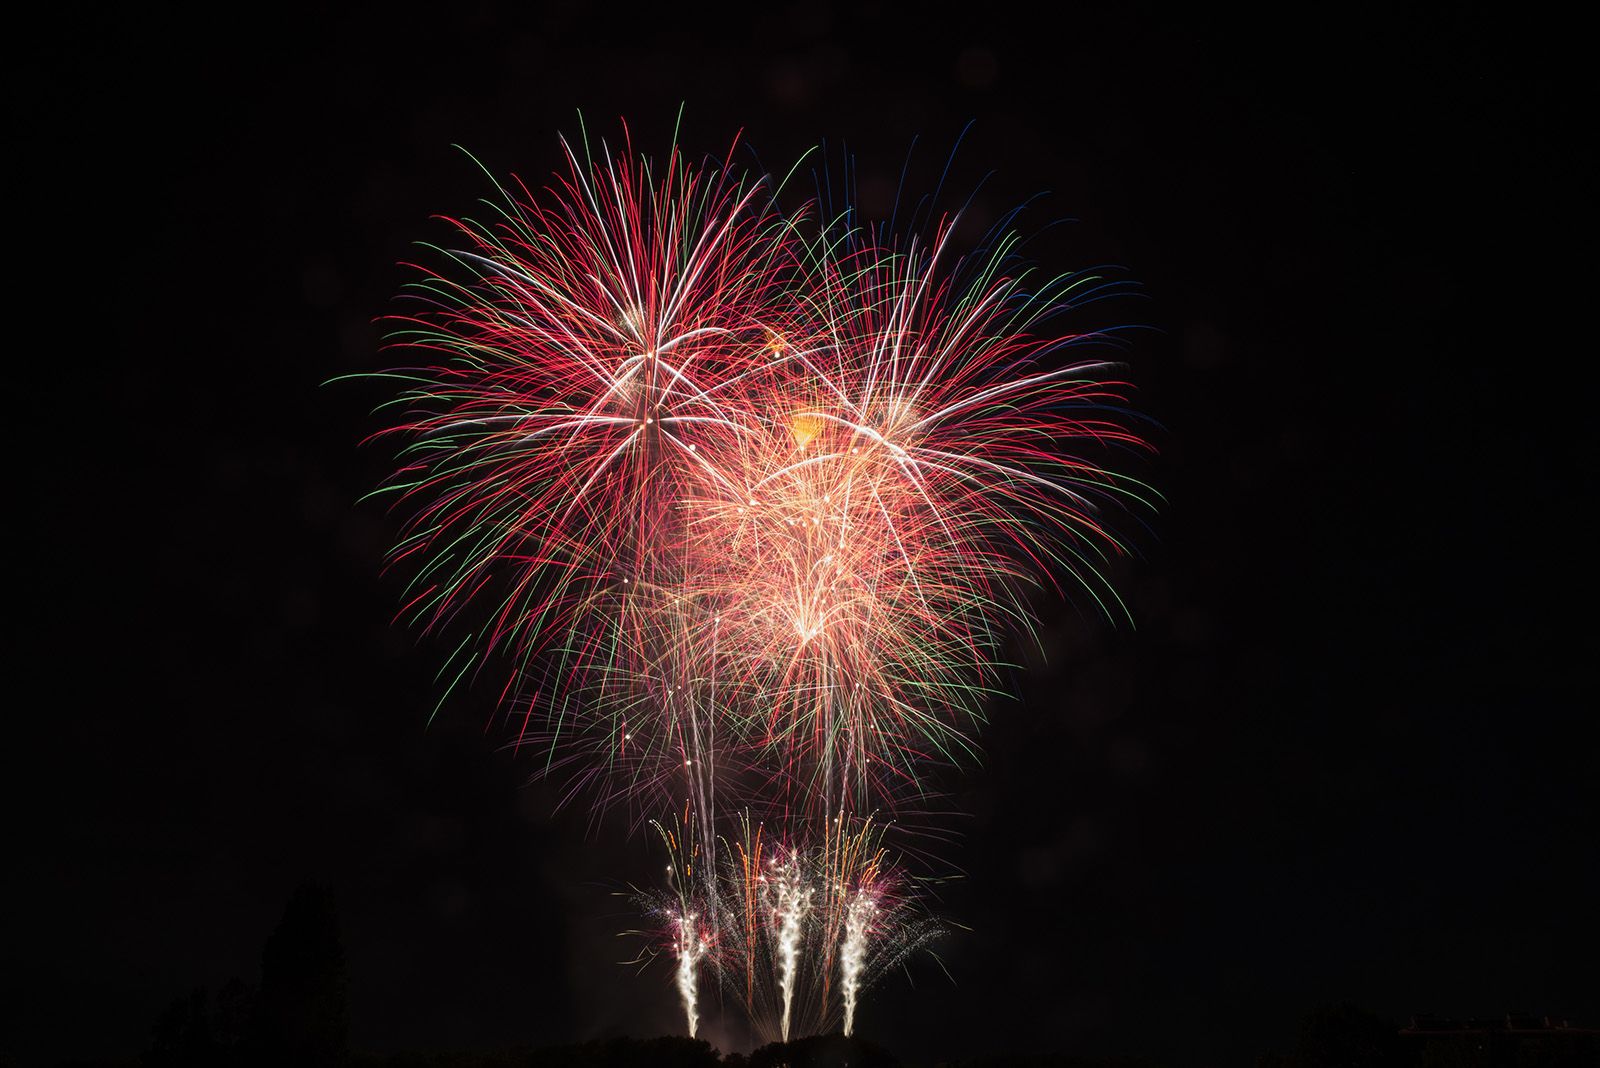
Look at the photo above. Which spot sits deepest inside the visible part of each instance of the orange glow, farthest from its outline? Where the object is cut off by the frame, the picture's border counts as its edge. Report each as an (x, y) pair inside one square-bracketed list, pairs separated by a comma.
[(804, 427)]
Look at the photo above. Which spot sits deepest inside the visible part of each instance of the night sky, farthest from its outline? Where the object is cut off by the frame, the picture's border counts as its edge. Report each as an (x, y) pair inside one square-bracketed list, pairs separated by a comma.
[(1345, 755)]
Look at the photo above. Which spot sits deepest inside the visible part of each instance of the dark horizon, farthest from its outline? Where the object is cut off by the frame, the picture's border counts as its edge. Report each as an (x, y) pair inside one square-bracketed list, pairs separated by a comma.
[(1341, 757)]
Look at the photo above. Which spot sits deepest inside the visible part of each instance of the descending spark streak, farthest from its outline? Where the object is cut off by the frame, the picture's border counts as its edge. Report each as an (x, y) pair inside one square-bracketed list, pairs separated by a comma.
[(791, 905), (853, 954)]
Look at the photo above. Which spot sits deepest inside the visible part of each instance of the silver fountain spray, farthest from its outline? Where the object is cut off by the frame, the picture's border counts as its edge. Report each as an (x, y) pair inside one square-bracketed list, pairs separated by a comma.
[(853, 956), (792, 904)]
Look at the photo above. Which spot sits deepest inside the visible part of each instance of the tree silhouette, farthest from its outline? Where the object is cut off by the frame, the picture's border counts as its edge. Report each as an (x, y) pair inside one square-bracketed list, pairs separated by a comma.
[(182, 1035), (822, 1051), (1053, 1060), (232, 1020), (1344, 1036), (303, 1014)]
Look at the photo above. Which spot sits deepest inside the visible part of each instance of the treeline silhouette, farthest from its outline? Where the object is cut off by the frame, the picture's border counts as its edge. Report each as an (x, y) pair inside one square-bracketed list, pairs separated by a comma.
[(299, 1016)]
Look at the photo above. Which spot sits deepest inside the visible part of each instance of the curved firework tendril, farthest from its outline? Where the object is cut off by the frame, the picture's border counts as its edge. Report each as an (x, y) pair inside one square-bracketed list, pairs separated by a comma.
[(751, 513)]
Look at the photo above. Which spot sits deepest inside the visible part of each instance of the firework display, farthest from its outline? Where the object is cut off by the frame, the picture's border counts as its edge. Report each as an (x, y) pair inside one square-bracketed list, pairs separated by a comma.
[(743, 503)]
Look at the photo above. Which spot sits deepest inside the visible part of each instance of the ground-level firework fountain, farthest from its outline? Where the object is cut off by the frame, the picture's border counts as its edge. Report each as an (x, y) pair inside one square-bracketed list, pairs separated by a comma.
[(789, 934), (750, 498), (858, 922), (690, 947), (790, 906)]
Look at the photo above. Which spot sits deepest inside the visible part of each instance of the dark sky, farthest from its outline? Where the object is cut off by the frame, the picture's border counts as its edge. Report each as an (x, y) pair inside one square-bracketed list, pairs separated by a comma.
[(1346, 754)]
